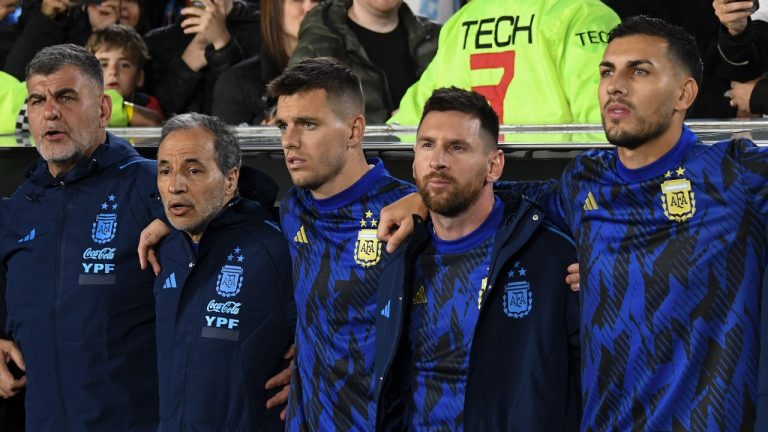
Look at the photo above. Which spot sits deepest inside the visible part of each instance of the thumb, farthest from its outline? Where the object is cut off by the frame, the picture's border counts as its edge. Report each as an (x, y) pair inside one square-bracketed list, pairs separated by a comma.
[(18, 358)]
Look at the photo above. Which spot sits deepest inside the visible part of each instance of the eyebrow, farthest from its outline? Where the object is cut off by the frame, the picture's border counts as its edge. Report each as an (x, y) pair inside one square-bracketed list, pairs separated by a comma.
[(186, 161), (57, 93), (631, 63), (450, 142)]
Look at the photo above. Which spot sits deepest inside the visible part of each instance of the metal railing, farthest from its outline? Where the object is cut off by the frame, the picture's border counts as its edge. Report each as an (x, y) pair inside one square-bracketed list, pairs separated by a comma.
[(556, 137)]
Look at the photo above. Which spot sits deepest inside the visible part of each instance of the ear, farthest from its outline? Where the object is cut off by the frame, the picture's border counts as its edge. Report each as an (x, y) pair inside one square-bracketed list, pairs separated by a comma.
[(231, 181), (356, 130), (495, 166), (688, 92), (105, 110), (140, 79)]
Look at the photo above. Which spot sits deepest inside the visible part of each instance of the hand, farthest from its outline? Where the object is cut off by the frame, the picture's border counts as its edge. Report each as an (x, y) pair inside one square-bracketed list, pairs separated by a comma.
[(52, 8), (741, 93), (282, 379), (733, 15), (211, 22), (104, 14), (396, 220), (572, 279), (9, 385), (148, 239)]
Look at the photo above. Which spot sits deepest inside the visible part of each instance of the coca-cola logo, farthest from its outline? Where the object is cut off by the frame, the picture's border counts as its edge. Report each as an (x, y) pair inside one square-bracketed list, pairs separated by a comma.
[(228, 307), (99, 254)]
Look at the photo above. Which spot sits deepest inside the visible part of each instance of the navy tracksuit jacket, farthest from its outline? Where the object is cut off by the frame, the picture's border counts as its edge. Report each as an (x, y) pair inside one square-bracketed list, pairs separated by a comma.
[(79, 307), (225, 317), (523, 373)]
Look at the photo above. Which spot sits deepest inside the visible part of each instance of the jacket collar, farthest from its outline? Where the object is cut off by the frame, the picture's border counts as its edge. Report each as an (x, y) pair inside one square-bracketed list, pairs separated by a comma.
[(112, 152)]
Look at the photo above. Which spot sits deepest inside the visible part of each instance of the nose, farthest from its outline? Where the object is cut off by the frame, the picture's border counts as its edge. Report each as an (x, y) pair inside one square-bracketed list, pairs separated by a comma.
[(437, 160), (615, 85), (176, 184), (290, 138), (51, 109), (308, 5), (110, 70)]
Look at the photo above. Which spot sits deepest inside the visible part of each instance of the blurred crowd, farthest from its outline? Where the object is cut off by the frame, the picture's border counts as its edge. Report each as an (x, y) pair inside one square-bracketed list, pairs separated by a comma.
[(162, 58)]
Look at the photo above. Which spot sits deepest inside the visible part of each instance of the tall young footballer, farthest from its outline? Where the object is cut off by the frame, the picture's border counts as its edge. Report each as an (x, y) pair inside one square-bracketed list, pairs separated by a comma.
[(330, 221), (671, 235)]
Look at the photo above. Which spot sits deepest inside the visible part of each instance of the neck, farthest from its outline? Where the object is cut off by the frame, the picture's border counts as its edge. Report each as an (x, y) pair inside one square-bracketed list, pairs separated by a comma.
[(289, 44), (353, 170), (376, 21), (456, 227), (649, 152)]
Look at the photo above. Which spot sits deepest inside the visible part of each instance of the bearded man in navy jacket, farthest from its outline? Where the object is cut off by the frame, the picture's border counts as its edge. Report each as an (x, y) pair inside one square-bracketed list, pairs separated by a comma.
[(81, 319), (476, 329)]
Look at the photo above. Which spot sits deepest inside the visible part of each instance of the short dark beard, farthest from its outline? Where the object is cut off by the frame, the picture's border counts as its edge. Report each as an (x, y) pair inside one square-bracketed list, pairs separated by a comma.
[(646, 133), (454, 205)]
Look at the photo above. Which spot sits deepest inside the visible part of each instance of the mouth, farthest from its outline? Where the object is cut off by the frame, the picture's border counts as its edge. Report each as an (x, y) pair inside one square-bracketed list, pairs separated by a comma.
[(54, 134), (179, 209), (438, 181), (294, 162), (112, 85), (616, 111)]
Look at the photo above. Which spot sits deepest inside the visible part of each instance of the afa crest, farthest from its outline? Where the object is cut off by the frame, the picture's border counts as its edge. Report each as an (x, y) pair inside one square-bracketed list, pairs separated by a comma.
[(677, 199), (230, 278), (104, 228), (367, 246), (518, 299)]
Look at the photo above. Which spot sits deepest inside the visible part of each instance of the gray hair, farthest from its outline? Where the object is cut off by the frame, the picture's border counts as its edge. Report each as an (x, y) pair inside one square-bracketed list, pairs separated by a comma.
[(225, 142), (51, 59)]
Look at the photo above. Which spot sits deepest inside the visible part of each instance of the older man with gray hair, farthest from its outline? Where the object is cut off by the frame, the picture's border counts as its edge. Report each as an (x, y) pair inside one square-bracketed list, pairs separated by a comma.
[(225, 309)]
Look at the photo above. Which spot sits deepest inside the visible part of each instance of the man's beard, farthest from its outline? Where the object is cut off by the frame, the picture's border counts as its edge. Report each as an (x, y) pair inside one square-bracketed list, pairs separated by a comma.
[(450, 203), (646, 131)]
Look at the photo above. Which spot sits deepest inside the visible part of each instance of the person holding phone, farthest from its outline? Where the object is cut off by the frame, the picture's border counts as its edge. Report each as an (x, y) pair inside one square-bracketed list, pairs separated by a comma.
[(743, 47), (189, 56), (52, 22)]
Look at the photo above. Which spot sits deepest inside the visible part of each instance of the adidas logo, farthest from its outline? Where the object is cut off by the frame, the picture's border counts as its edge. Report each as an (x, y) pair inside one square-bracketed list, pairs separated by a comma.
[(420, 297), (28, 237), (385, 311), (590, 204), (301, 236), (170, 281)]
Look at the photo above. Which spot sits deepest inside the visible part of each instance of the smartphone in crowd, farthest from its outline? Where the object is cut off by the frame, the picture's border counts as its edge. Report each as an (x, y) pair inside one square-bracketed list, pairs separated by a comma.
[(194, 3), (75, 4), (755, 5)]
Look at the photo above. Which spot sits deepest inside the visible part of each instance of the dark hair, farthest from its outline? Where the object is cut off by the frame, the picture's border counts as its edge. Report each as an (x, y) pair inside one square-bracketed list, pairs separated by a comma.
[(681, 45), (272, 31), (51, 59), (341, 85), (467, 102), (225, 141), (120, 36)]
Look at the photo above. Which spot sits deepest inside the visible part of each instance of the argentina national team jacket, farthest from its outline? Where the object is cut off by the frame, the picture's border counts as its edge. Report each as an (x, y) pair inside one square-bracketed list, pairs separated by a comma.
[(79, 306), (523, 367), (225, 317)]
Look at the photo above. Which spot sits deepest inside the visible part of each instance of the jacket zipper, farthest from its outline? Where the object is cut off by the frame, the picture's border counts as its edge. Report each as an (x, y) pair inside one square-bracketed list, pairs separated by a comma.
[(193, 336), (54, 317)]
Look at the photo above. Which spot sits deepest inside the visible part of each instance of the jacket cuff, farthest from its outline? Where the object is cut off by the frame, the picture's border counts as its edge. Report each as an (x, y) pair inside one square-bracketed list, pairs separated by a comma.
[(735, 50), (221, 59)]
